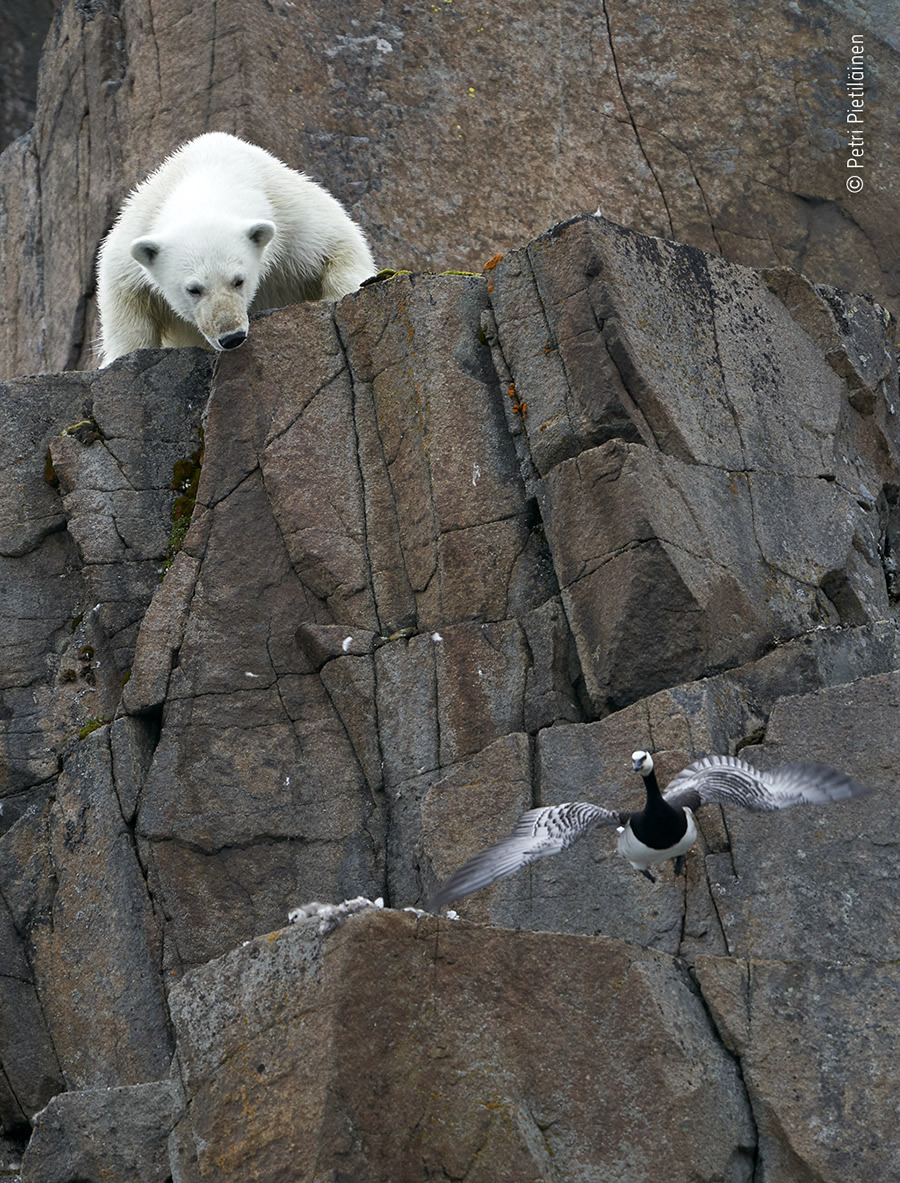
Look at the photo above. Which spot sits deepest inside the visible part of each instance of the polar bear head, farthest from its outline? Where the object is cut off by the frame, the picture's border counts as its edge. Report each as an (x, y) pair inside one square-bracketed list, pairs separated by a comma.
[(208, 273)]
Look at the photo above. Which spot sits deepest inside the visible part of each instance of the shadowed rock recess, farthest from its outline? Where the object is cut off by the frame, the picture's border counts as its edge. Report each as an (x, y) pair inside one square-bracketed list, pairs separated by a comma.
[(321, 619)]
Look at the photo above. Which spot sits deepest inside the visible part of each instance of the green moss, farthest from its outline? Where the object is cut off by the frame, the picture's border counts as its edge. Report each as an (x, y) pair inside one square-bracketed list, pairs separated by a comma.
[(382, 275), (185, 482), (93, 724), (176, 540), (85, 431)]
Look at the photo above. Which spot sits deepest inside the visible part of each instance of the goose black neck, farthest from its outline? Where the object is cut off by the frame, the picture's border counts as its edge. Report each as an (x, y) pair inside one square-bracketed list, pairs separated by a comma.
[(658, 825), (651, 785)]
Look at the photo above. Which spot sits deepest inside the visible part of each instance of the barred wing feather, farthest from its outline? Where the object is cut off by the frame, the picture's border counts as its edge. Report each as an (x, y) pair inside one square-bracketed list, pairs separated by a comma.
[(727, 780), (537, 833)]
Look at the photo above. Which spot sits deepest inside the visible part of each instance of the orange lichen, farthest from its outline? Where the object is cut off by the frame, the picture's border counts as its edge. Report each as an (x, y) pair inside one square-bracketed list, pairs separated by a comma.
[(520, 407), (489, 266)]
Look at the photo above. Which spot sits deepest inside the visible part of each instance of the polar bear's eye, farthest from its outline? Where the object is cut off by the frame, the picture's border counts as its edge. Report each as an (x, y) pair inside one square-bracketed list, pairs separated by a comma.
[(238, 282), (195, 289)]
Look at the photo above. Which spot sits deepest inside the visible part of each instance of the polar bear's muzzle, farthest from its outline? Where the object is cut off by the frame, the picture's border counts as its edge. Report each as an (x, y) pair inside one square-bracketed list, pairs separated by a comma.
[(220, 314)]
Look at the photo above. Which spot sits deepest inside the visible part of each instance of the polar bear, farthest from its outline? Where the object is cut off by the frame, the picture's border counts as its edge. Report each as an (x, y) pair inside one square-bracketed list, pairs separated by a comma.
[(221, 229)]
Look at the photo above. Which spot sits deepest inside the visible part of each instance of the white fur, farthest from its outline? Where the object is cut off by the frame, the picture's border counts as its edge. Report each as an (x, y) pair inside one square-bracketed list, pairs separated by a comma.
[(228, 218)]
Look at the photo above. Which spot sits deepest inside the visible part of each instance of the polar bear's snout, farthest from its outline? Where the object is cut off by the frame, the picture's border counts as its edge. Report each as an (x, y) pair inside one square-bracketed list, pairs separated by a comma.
[(220, 312)]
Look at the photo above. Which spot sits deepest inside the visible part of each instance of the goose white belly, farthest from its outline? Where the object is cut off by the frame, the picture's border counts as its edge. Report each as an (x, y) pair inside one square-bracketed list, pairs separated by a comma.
[(641, 856)]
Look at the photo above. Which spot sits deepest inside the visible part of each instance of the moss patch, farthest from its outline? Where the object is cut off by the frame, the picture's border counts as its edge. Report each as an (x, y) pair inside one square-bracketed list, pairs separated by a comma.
[(94, 723), (185, 481)]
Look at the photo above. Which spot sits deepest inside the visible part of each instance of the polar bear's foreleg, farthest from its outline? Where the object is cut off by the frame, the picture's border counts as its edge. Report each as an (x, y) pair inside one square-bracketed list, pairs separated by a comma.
[(344, 272), (127, 323)]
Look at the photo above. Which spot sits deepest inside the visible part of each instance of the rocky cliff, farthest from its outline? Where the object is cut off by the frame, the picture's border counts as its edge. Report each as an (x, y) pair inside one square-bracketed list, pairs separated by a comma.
[(322, 619), (456, 129)]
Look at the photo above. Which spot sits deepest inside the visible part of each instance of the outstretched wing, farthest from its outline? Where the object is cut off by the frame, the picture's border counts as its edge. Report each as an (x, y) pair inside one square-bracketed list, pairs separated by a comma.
[(537, 833), (730, 781)]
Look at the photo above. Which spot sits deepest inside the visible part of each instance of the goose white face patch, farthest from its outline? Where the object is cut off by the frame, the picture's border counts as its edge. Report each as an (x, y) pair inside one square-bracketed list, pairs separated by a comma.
[(642, 762)]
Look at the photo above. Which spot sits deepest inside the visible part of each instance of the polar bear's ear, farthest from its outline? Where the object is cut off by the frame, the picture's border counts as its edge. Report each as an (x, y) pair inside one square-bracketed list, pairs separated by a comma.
[(261, 233), (145, 250)]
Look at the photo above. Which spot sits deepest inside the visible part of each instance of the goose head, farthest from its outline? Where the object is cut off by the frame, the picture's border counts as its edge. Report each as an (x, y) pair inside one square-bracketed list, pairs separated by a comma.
[(642, 762)]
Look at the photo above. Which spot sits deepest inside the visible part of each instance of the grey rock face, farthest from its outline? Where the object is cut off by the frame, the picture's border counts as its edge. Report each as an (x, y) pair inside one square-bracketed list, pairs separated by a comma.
[(685, 504), (818, 1100), (321, 620), (23, 27), (525, 116)]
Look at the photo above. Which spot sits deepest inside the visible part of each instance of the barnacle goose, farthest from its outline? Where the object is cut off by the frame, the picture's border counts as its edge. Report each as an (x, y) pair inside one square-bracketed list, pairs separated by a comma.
[(663, 829)]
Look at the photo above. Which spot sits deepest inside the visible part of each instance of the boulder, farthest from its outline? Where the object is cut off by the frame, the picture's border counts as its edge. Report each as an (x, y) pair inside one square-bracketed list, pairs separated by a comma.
[(509, 1064), (115, 1133), (664, 431)]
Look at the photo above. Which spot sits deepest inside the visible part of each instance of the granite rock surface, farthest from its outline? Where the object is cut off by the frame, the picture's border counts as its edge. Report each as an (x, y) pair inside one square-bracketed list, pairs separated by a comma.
[(322, 619)]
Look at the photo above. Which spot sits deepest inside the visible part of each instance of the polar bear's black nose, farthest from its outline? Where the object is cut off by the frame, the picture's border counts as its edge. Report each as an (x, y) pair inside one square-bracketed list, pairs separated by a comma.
[(232, 340)]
